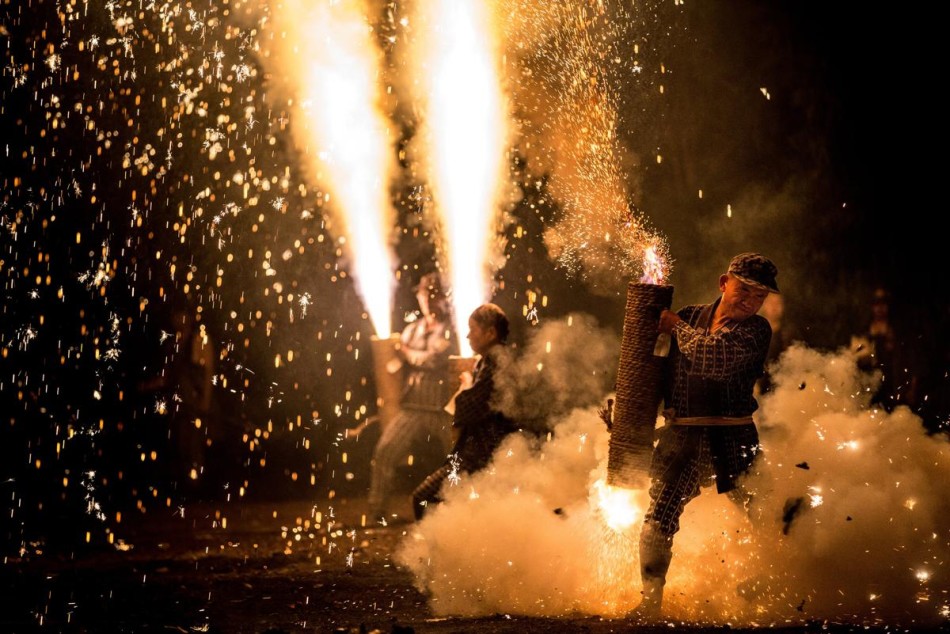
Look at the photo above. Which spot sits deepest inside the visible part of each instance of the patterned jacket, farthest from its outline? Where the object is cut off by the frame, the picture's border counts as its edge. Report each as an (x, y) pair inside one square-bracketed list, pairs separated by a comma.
[(481, 428), (712, 374)]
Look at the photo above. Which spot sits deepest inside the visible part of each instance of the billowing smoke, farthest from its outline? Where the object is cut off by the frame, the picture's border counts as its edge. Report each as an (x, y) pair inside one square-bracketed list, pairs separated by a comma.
[(565, 364), (849, 521), (522, 536)]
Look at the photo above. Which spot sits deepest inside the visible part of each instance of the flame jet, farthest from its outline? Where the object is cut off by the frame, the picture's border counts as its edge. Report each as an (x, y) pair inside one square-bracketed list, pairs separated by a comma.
[(458, 86), (334, 65)]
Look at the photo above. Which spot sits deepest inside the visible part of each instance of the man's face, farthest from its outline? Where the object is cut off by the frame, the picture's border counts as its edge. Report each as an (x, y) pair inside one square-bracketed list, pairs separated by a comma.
[(740, 300), (481, 338)]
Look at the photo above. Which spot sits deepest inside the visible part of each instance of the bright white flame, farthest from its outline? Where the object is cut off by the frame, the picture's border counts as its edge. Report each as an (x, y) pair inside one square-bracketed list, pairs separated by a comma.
[(466, 138), (653, 269), (621, 508), (336, 70)]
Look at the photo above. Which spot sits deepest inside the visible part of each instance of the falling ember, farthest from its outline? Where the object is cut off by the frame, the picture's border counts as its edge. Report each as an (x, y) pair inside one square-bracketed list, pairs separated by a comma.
[(466, 135), (621, 508), (334, 67)]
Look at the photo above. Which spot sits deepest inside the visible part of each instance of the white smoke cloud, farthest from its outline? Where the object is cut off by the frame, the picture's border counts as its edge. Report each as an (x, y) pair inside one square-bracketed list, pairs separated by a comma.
[(522, 537), (869, 543), (566, 364)]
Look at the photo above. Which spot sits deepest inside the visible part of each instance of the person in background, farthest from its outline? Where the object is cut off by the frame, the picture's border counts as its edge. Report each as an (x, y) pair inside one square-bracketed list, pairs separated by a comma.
[(422, 427), (186, 383), (880, 348)]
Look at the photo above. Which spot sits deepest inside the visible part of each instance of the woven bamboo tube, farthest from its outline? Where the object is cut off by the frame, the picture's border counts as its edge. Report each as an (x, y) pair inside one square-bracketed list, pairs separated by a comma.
[(639, 385), (388, 384)]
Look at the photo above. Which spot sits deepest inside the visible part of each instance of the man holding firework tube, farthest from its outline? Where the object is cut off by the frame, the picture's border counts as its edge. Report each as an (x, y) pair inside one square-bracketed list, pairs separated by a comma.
[(718, 352)]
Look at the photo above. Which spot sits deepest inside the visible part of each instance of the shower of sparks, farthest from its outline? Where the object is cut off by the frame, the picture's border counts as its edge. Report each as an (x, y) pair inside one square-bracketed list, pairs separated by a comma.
[(466, 137), (149, 173), (455, 464), (304, 302), (334, 68), (150, 177), (576, 76)]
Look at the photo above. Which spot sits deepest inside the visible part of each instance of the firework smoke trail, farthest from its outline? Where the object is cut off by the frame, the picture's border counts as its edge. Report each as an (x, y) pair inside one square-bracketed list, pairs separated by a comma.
[(455, 61), (868, 544), (332, 65)]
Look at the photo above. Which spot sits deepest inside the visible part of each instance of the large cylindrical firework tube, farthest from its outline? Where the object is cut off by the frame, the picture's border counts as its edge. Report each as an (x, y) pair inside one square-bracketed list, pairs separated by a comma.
[(639, 385), (388, 383)]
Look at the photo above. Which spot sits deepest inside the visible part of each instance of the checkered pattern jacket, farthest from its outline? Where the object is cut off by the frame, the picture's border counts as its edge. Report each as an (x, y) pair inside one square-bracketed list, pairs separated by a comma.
[(712, 374)]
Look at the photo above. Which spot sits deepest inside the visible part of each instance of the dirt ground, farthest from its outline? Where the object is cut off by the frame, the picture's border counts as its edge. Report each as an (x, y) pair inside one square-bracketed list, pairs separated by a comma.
[(257, 567)]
